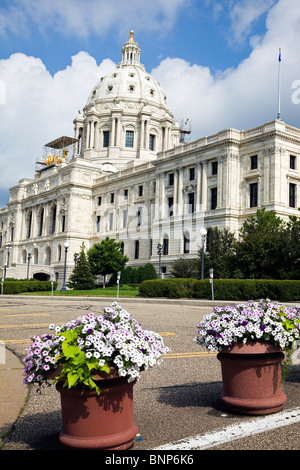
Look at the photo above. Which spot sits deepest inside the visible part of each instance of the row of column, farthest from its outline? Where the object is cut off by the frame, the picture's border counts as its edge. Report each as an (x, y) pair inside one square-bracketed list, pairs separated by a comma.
[(199, 187), (92, 134)]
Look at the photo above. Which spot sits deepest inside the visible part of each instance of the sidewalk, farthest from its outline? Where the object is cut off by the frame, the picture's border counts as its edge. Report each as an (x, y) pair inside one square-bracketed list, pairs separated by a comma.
[(12, 393)]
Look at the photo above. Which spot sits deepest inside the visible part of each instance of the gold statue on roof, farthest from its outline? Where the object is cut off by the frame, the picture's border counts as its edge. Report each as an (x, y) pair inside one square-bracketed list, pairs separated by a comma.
[(131, 36)]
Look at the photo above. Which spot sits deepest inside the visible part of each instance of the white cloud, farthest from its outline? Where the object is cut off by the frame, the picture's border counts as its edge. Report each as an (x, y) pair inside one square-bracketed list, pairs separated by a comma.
[(39, 108), (245, 96), (82, 18), (243, 14)]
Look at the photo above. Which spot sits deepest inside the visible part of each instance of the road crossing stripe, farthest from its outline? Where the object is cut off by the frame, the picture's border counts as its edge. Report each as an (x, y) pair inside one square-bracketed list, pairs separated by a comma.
[(241, 430)]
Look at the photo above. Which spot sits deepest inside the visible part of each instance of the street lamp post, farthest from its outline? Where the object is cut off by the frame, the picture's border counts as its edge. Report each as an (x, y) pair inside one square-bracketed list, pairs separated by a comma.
[(66, 245), (160, 250), (203, 233), (8, 247), (28, 258)]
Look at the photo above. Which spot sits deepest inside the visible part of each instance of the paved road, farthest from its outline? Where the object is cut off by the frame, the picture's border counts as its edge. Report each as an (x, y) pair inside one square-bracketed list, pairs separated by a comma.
[(178, 400)]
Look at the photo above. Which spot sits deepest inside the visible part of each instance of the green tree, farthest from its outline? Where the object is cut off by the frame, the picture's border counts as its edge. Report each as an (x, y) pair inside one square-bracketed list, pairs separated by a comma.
[(82, 277), (146, 272), (220, 253), (291, 250), (106, 257), (261, 246), (185, 268)]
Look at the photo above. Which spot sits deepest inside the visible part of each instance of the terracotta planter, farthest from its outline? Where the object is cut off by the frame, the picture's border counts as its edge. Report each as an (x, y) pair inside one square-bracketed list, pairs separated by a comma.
[(251, 376), (103, 422)]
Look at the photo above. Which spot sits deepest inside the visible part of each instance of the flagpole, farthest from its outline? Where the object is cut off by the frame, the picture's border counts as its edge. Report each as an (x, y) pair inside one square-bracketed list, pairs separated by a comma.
[(279, 77)]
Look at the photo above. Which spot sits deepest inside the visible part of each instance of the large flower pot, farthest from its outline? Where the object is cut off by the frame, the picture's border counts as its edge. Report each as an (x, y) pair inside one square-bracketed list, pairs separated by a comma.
[(251, 376), (104, 421)]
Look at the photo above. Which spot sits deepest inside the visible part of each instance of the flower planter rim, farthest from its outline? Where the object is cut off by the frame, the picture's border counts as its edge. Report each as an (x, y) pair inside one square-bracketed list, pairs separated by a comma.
[(251, 347)]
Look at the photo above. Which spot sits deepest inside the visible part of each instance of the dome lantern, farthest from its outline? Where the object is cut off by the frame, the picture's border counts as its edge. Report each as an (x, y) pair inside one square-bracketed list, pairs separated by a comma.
[(131, 53)]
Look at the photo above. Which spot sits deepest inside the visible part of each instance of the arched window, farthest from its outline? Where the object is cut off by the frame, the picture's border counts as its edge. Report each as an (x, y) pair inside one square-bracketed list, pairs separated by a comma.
[(48, 255), (52, 219), (59, 253), (166, 245), (41, 222), (35, 256), (136, 249), (186, 242), (29, 223)]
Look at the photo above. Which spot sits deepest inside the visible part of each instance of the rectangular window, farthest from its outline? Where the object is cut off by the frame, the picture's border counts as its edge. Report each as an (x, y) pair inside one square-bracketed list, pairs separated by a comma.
[(253, 162), (192, 174), (125, 212), (171, 179), (253, 195), (98, 219), (170, 206), (99, 200), (191, 202), (152, 142), (292, 195), (154, 187), (214, 168), (125, 194), (112, 198), (106, 139), (111, 221), (292, 162), (129, 139), (140, 191), (213, 198)]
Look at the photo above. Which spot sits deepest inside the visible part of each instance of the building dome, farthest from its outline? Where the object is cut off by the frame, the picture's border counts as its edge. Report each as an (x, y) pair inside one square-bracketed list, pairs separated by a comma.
[(128, 100), (128, 84)]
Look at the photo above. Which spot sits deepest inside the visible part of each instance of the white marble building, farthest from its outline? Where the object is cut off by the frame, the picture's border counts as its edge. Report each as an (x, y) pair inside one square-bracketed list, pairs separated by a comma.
[(128, 175)]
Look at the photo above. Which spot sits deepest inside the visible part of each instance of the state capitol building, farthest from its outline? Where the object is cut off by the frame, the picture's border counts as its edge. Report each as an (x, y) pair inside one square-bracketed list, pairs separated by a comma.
[(130, 174)]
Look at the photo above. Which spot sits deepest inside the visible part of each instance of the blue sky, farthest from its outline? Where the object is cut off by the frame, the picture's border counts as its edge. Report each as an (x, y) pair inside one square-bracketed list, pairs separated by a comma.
[(216, 60)]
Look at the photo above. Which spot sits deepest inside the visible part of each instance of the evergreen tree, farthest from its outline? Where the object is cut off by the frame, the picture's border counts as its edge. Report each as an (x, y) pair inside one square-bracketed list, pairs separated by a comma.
[(82, 277), (106, 257)]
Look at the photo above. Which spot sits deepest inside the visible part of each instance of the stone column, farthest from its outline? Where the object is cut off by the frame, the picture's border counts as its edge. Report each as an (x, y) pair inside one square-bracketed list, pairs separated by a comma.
[(198, 187)]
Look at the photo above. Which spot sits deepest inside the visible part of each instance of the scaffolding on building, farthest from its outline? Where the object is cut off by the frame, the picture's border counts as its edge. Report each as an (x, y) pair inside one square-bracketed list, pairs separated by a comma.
[(58, 151), (185, 131)]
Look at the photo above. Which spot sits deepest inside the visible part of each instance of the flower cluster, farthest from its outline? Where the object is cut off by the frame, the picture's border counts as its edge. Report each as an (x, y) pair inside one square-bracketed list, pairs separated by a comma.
[(112, 339), (262, 321)]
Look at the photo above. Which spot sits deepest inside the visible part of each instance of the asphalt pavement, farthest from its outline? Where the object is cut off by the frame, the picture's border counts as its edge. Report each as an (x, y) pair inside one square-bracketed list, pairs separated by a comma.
[(177, 405)]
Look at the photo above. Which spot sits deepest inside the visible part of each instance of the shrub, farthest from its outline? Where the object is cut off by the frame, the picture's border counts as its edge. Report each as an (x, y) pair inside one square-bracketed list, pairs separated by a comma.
[(224, 289), (17, 287)]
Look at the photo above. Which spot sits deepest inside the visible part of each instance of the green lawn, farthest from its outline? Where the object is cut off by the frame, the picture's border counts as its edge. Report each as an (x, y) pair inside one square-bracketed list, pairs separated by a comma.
[(107, 292)]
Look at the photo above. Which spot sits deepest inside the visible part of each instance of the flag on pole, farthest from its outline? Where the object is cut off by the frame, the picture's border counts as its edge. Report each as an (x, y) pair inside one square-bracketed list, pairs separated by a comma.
[(279, 60)]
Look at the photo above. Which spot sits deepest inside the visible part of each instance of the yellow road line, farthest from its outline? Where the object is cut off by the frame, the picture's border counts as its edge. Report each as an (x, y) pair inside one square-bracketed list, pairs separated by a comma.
[(16, 341), (29, 325), (25, 315), (187, 355)]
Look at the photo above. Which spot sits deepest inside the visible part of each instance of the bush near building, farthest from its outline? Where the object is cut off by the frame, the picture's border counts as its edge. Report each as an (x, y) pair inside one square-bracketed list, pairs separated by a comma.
[(18, 287), (224, 289)]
